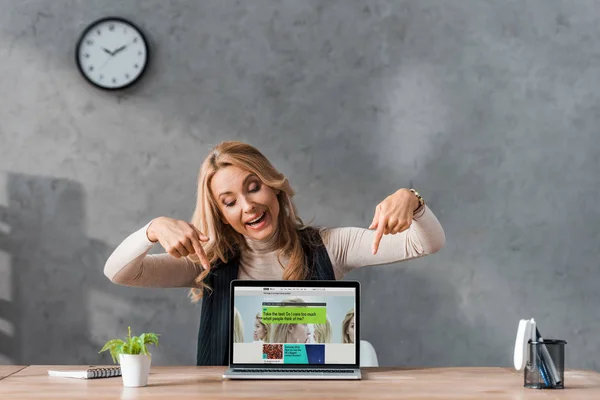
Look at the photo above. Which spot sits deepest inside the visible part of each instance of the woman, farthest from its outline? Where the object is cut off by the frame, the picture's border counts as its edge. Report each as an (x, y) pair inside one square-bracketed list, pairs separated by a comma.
[(348, 327), (261, 330), (245, 226), (290, 333)]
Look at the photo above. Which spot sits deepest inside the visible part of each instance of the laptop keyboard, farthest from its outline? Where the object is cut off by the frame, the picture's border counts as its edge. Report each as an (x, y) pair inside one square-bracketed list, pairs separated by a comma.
[(287, 371)]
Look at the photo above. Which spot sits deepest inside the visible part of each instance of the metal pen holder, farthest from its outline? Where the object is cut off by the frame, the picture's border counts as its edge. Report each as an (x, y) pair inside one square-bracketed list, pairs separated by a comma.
[(545, 367)]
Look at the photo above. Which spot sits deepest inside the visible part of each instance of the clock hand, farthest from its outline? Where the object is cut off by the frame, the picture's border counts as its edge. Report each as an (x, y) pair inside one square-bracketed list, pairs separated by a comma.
[(105, 62), (119, 49), (107, 51)]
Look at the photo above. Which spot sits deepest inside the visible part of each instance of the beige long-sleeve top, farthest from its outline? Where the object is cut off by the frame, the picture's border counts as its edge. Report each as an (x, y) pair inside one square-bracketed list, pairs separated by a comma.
[(348, 248)]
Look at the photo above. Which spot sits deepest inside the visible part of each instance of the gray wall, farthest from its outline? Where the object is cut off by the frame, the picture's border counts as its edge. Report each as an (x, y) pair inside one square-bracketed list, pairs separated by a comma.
[(490, 108)]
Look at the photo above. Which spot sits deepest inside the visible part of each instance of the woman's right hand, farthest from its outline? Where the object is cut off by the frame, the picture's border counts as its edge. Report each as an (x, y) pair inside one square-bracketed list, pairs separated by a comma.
[(179, 238)]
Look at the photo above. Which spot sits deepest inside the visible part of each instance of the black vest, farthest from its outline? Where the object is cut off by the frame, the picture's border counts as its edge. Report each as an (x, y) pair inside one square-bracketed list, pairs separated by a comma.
[(213, 335)]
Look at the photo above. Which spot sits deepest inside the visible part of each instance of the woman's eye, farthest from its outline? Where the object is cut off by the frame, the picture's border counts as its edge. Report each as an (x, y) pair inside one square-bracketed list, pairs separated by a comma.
[(231, 204), (254, 188)]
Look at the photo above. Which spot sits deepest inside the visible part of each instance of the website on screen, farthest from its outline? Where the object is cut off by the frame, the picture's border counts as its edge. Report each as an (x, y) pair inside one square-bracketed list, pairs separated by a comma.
[(294, 325)]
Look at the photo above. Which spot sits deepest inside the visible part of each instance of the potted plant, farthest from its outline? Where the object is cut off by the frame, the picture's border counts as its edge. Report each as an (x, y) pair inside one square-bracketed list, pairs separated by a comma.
[(133, 357)]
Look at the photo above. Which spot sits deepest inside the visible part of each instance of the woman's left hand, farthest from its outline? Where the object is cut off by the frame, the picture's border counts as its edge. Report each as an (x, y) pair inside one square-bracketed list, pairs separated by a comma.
[(393, 215)]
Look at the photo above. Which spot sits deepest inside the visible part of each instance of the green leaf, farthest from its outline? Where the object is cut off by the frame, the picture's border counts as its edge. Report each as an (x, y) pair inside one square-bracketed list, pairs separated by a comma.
[(151, 338), (115, 347), (139, 345), (110, 344), (118, 349), (131, 345), (135, 346), (129, 341)]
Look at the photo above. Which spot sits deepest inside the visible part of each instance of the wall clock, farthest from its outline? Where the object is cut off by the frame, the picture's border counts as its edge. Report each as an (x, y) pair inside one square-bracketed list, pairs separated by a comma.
[(112, 53)]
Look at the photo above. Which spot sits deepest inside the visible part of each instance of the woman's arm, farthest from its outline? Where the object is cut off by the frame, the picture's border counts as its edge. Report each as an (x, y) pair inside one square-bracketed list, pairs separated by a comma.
[(350, 248), (131, 265)]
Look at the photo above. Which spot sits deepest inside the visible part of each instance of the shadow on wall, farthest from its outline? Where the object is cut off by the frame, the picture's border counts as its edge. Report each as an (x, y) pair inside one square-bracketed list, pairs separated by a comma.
[(9, 317), (58, 307), (50, 261)]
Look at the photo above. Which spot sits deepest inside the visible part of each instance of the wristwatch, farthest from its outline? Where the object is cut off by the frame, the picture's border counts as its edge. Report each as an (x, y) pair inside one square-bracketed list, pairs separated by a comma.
[(419, 197)]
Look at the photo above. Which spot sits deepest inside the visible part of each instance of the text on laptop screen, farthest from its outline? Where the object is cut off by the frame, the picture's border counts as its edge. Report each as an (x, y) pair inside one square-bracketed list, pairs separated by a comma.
[(294, 325)]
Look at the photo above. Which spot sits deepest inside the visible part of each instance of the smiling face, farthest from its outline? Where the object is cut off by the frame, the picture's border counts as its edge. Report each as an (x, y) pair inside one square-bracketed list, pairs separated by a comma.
[(245, 202)]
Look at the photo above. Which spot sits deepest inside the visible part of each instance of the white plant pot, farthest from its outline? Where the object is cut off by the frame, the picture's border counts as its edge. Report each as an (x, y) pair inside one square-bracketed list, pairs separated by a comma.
[(135, 369)]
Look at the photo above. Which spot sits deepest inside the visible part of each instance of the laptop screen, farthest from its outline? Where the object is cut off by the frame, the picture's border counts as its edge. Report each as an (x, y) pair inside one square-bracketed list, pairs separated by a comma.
[(295, 325)]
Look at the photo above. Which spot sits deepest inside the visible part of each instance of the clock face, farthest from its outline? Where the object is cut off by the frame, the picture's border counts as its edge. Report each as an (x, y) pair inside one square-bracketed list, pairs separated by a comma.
[(112, 53)]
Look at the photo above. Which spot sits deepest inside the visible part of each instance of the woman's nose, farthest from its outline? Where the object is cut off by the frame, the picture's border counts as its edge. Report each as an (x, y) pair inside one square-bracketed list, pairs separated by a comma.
[(249, 206)]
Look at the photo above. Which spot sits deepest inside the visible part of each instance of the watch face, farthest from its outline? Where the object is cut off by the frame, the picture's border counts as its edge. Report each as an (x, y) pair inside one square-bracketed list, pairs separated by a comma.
[(112, 53)]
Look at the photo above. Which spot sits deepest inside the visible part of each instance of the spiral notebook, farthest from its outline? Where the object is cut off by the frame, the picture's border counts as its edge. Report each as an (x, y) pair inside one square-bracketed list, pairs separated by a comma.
[(91, 372)]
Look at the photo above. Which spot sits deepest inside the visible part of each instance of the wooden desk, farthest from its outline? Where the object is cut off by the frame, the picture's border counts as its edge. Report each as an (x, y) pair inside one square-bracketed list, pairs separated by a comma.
[(6, 370), (33, 382)]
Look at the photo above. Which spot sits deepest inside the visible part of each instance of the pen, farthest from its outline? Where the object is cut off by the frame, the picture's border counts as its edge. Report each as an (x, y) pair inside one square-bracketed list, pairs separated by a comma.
[(536, 359), (552, 371)]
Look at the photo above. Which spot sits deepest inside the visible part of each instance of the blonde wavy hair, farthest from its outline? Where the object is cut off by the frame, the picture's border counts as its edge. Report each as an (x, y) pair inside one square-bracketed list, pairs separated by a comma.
[(345, 324), (223, 239), (238, 327), (266, 327), (280, 332), (322, 332)]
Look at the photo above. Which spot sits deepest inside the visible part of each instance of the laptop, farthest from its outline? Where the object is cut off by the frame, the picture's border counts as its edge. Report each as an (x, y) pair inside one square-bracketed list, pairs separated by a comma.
[(294, 330)]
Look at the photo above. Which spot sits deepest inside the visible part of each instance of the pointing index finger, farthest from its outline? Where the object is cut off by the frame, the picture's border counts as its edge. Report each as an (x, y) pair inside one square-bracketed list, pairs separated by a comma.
[(199, 250), (375, 219), (378, 234)]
